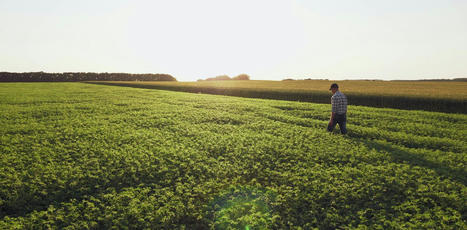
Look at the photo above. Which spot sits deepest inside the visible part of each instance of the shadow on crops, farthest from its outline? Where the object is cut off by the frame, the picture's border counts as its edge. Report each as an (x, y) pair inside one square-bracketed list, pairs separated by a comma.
[(399, 155)]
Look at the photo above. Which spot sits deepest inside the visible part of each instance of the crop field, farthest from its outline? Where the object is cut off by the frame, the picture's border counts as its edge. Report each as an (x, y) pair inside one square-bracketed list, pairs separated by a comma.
[(438, 96), (438, 89), (87, 156)]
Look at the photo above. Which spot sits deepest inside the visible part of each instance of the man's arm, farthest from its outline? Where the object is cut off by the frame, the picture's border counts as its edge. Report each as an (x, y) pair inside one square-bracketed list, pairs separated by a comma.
[(333, 106), (332, 118)]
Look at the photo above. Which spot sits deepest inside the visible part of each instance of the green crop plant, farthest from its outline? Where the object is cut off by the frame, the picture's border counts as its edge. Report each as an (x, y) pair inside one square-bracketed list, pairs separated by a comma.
[(86, 156)]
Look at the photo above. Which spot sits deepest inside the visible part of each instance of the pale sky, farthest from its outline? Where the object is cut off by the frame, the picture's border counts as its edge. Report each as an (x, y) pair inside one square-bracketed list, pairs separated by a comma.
[(267, 39)]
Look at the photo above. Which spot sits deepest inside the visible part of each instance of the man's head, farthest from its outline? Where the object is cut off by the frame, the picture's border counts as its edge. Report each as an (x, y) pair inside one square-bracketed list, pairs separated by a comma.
[(334, 87)]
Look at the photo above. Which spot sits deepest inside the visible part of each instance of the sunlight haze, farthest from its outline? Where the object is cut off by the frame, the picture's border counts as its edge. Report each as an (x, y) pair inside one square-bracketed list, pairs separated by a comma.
[(268, 40)]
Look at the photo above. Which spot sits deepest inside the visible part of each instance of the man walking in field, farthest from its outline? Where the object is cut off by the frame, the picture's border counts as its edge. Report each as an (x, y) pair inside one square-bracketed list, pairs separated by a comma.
[(339, 110)]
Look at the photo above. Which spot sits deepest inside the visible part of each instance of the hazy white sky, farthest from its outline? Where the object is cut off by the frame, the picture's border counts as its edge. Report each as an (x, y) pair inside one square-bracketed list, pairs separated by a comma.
[(267, 39)]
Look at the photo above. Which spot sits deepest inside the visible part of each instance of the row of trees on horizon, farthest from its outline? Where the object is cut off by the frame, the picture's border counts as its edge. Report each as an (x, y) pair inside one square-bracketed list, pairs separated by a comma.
[(81, 76), (317, 79), (227, 78)]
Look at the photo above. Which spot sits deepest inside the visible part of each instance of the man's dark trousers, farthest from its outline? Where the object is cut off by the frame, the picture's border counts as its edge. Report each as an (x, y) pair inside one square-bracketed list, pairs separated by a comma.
[(340, 119)]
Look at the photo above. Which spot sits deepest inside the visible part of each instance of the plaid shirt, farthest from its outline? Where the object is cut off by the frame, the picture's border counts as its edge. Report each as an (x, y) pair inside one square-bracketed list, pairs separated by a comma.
[(339, 103)]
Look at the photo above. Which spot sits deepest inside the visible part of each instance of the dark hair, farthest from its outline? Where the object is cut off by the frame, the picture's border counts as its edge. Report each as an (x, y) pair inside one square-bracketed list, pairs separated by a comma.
[(334, 85)]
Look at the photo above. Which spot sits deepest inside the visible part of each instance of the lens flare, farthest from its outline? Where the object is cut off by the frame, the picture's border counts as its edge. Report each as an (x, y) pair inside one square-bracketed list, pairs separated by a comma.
[(243, 207)]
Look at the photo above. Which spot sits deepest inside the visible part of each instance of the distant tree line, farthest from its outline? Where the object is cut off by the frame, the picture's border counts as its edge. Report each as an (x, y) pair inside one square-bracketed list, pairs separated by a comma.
[(454, 79), (226, 78), (81, 76)]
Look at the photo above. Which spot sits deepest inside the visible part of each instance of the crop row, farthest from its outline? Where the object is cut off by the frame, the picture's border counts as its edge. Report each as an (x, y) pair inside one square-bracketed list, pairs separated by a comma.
[(376, 99)]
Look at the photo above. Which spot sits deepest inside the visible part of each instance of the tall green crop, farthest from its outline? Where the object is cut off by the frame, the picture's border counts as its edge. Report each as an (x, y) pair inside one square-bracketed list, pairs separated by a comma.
[(441, 96)]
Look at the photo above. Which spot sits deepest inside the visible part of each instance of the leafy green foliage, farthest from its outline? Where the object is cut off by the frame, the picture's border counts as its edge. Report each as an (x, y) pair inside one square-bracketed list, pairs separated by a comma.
[(82, 156), (242, 208)]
